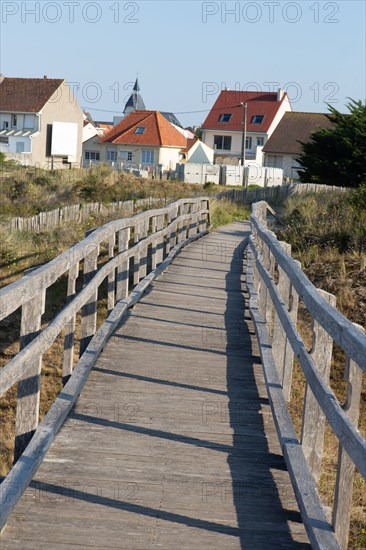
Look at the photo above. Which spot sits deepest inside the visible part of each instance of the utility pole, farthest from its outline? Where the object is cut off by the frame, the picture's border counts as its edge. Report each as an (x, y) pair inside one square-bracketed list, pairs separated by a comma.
[(244, 138)]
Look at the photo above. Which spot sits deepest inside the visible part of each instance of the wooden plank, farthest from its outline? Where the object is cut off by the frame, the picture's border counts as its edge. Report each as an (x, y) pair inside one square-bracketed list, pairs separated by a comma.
[(89, 311), (123, 270), (345, 468), (279, 335), (111, 300), (313, 420), (28, 398), (289, 352), (69, 338)]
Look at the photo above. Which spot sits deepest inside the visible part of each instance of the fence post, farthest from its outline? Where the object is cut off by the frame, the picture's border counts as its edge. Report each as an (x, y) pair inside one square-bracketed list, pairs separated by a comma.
[(313, 421), (69, 339), (136, 258), (112, 276), (143, 255), (345, 469), (289, 354), (27, 413), (89, 310), (123, 269), (279, 335), (154, 225)]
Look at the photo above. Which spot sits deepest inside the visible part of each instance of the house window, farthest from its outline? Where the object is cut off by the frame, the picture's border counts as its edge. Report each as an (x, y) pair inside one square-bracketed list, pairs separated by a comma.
[(147, 156), (19, 146), (140, 129), (248, 143), (92, 155), (5, 125), (112, 156), (13, 121), (257, 119), (225, 117), (260, 141), (4, 139), (222, 142), (129, 155)]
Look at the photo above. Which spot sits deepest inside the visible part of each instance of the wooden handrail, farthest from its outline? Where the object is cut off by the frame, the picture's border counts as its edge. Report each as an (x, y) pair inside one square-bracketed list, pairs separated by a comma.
[(273, 306)]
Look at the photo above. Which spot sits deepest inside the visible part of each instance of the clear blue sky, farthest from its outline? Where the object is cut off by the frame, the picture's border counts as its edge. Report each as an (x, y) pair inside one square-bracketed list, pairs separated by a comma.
[(184, 52)]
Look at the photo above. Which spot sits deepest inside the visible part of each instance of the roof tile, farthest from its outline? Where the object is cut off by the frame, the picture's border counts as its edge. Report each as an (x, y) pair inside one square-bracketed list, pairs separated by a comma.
[(27, 95)]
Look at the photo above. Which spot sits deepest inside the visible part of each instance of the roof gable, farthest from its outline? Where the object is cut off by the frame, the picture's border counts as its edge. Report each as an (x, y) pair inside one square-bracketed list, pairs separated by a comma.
[(263, 104), (27, 95), (293, 129), (158, 131)]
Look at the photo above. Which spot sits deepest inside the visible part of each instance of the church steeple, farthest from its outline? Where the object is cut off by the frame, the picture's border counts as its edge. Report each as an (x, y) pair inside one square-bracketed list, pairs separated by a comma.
[(135, 101)]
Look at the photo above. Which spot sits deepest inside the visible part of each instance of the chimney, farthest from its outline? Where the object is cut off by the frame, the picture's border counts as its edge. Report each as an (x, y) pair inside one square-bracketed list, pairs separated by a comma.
[(1, 78), (280, 94), (45, 77)]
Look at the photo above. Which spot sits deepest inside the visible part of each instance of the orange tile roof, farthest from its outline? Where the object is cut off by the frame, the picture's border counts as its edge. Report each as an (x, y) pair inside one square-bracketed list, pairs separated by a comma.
[(158, 131), (27, 95)]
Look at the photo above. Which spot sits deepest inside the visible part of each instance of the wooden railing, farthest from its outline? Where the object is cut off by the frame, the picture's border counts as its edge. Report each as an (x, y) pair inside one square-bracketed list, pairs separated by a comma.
[(136, 250), (276, 284)]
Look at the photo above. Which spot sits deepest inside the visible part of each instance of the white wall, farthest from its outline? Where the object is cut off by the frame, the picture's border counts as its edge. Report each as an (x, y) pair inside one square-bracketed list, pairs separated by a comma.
[(200, 153)]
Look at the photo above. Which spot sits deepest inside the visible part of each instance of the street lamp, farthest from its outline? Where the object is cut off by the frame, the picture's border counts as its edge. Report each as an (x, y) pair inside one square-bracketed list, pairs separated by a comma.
[(244, 138)]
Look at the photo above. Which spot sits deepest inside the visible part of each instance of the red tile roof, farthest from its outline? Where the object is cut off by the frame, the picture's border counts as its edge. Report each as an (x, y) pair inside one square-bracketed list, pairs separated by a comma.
[(27, 95), (293, 129), (158, 131), (228, 102)]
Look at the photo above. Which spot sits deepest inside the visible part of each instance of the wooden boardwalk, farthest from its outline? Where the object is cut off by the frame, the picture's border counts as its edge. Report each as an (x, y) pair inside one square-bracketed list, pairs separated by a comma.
[(171, 444)]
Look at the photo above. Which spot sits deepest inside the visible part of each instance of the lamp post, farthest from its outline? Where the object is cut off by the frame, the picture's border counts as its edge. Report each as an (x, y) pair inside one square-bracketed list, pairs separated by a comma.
[(244, 138)]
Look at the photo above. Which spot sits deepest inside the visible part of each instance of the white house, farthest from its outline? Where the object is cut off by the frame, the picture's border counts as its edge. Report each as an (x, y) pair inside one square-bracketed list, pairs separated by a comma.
[(197, 152), (41, 123), (143, 139), (223, 127), (284, 146)]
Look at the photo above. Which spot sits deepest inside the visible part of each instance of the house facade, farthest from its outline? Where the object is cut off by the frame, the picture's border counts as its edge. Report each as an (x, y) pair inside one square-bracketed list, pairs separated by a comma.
[(41, 123), (223, 127), (197, 152), (143, 139), (284, 146)]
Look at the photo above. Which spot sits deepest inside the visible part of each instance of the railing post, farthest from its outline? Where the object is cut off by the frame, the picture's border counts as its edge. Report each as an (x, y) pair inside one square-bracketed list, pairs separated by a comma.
[(279, 335), (289, 354), (69, 339), (313, 422), (345, 470), (89, 310), (112, 276), (136, 258), (27, 413), (143, 255), (160, 240), (193, 221), (154, 225), (123, 269)]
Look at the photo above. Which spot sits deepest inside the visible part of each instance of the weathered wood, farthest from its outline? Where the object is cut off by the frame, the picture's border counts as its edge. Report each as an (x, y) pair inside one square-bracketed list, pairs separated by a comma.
[(343, 428), (313, 420), (28, 399), (289, 352), (345, 469), (339, 327), (69, 338), (89, 311), (154, 228), (111, 300), (143, 256), (136, 258), (123, 270), (279, 336)]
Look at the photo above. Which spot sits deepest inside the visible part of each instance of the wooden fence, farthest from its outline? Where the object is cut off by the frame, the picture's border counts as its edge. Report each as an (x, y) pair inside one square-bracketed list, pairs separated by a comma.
[(80, 213), (275, 193), (276, 284), (137, 250)]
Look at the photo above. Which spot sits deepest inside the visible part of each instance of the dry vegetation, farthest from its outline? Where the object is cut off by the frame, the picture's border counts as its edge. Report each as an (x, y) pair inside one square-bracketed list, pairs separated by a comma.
[(328, 236)]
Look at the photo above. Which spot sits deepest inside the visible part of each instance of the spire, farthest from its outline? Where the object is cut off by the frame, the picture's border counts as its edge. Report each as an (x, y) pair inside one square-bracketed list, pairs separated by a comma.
[(135, 101)]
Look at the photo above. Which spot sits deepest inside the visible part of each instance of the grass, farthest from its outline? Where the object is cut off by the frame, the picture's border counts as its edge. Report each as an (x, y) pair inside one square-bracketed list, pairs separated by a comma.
[(327, 232)]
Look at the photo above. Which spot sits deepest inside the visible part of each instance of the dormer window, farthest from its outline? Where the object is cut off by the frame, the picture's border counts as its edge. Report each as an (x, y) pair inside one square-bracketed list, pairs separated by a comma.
[(140, 130), (225, 117), (257, 119)]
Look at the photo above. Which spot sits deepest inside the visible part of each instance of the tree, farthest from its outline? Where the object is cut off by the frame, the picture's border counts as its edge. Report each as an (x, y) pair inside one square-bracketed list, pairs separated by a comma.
[(337, 156)]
